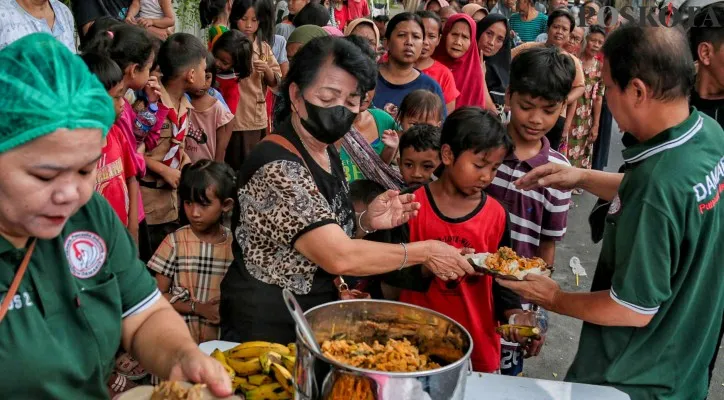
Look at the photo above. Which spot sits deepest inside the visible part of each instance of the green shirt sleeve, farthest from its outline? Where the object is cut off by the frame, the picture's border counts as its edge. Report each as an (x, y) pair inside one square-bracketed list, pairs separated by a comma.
[(137, 286), (646, 245)]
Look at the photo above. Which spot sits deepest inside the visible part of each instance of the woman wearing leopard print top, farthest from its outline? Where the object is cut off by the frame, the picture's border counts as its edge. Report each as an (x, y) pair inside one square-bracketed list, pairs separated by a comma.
[(294, 221)]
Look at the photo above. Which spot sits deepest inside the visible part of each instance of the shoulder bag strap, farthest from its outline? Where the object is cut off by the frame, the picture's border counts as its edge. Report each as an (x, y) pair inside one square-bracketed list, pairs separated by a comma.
[(16, 281), (280, 140)]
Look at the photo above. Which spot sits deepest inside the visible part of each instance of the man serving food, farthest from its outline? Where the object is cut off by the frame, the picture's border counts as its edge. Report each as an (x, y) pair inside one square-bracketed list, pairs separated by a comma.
[(653, 315)]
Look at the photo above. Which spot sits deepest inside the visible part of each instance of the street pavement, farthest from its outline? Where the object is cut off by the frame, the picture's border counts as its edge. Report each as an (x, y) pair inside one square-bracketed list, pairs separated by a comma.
[(564, 332)]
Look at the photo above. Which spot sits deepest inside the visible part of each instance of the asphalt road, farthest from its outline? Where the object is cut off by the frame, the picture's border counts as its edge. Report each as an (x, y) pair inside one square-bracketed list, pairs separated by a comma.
[(564, 332)]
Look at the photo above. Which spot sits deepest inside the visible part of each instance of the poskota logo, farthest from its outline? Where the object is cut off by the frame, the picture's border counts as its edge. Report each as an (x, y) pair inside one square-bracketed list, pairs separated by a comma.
[(648, 16)]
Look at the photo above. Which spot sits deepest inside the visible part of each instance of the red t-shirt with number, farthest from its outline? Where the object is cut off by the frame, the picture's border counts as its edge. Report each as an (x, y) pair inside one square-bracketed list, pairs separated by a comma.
[(469, 300)]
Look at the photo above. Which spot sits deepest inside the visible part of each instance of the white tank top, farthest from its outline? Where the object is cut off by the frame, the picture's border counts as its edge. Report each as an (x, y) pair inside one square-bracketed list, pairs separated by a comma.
[(151, 9)]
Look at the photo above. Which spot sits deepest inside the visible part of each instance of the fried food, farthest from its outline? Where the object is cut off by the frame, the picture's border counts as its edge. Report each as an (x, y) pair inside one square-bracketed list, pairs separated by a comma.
[(394, 356), (175, 391), (350, 387), (505, 261)]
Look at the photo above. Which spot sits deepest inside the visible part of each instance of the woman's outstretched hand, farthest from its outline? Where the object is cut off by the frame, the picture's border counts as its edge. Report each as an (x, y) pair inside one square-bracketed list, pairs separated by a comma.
[(447, 262), (390, 209)]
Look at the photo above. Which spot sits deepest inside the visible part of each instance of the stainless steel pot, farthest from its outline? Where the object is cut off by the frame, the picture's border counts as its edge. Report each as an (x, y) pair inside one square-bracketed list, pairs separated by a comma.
[(370, 320)]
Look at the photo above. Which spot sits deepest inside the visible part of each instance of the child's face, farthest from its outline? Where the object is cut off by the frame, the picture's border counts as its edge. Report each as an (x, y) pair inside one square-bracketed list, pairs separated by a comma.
[(531, 118), (117, 92), (207, 85), (472, 172), (224, 61), (202, 217), (136, 76), (429, 118), (417, 167), (249, 24), (196, 77), (432, 38)]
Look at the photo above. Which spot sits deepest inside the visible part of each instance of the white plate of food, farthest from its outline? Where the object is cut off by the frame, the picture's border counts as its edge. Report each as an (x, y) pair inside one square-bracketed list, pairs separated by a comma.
[(506, 264)]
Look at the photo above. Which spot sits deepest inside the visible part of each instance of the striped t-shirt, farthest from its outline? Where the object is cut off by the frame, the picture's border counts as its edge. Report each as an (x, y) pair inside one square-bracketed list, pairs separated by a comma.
[(528, 31), (535, 215)]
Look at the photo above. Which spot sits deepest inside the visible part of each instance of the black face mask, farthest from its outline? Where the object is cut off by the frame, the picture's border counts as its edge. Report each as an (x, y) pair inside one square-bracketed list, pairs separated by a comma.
[(328, 124)]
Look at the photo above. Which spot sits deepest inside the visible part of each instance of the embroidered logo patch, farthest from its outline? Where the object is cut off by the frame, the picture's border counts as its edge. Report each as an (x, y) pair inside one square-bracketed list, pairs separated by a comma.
[(86, 253), (615, 206)]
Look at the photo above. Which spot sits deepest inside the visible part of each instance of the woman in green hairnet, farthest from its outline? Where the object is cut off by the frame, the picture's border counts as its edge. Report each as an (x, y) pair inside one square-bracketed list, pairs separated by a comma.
[(71, 286)]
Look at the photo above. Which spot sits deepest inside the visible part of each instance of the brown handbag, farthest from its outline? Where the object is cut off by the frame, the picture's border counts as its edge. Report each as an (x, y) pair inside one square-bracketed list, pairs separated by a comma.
[(16, 281), (345, 293)]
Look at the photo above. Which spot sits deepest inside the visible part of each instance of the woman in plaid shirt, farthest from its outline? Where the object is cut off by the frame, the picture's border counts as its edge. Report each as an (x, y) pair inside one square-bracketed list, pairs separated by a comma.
[(191, 262)]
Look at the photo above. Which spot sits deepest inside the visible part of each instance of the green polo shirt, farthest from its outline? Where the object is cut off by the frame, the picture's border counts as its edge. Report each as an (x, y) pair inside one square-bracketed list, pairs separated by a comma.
[(662, 256), (60, 335)]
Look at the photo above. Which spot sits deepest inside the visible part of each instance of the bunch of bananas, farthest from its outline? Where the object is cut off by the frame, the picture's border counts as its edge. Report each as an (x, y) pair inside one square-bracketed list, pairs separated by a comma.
[(260, 370)]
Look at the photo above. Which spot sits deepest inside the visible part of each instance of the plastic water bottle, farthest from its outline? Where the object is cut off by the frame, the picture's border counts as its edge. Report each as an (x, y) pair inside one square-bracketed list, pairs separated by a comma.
[(145, 121)]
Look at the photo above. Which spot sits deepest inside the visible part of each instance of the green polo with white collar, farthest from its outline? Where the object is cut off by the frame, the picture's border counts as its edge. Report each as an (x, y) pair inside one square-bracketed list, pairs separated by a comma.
[(60, 335), (662, 256)]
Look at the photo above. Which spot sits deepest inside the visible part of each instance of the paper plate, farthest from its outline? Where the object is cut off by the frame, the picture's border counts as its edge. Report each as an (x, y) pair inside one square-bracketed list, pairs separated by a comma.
[(477, 261), (144, 393)]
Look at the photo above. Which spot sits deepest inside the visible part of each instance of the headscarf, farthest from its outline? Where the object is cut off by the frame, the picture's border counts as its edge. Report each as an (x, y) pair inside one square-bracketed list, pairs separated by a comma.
[(466, 70), (46, 88), (305, 33), (497, 67), (471, 8), (442, 3), (332, 31), (352, 25)]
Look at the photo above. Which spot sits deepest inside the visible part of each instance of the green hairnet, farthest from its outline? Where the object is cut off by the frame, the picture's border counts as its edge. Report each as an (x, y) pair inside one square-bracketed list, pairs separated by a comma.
[(45, 88)]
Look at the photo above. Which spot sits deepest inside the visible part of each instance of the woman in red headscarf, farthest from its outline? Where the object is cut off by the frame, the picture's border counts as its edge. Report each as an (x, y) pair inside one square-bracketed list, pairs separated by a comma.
[(458, 50)]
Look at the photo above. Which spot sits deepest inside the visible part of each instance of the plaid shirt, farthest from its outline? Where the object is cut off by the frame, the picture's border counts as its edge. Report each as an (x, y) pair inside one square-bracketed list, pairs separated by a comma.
[(196, 269)]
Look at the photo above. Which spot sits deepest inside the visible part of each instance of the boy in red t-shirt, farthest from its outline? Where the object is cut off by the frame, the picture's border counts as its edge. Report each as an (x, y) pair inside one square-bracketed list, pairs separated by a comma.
[(116, 175), (455, 209), (357, 9)]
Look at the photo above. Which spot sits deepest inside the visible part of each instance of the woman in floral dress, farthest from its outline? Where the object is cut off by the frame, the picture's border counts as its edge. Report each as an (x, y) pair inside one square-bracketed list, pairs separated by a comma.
[(578, 145)]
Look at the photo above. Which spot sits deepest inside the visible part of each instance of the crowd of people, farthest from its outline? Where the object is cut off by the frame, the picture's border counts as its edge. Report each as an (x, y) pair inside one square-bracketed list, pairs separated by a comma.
[(317, 147)]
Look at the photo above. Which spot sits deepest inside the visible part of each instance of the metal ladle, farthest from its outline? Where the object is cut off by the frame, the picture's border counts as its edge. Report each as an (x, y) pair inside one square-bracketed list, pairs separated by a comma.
[(298, 315)]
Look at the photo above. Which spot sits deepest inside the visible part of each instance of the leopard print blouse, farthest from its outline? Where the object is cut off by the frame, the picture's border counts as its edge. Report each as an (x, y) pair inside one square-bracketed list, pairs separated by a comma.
[(279, 203)]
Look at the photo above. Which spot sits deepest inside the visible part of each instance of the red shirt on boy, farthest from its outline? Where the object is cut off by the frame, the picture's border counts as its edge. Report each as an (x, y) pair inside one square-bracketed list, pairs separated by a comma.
[(469, 300), (357, 9), (115, 167)]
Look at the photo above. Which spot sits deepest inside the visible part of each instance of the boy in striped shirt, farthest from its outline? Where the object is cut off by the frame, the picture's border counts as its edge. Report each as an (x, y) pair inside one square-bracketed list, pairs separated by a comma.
[(538, 217)]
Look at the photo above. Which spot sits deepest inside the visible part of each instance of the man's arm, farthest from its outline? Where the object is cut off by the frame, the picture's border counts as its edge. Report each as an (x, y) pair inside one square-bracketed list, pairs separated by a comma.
[(602, 184), (598, 308), (595, 307)]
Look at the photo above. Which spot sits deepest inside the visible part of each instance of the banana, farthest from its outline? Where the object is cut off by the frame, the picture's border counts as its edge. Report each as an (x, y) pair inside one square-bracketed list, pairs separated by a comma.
[(245, 368), (255, 349), (524, 331), (219, 356), (283, 376), (292, 349), (272, 391), (258, 380), (267, 359), (242, 384), (289, 362)]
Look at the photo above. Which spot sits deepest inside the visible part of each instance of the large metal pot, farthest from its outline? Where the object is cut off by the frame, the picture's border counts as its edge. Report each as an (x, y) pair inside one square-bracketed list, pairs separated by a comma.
[(370, 320)]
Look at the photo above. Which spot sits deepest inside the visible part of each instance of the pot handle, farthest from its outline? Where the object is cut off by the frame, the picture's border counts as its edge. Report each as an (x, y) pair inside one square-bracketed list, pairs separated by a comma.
[(298, 315)]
